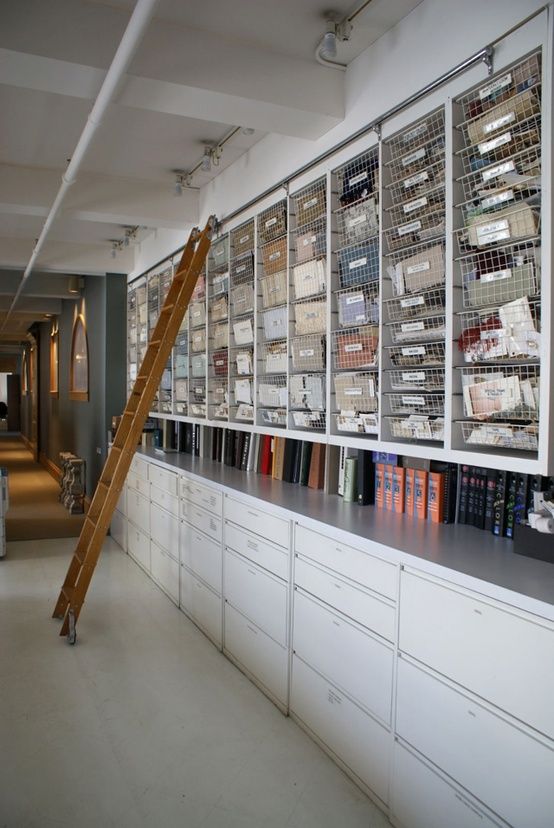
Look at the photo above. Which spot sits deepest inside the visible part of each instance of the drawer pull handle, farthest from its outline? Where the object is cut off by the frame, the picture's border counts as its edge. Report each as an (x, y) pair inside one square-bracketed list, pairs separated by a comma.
[(337, 586), (252, 630), (336, 623), (252, 572), (471, 713), (339, 550), (477, 611), (253, 514), (252, 545)]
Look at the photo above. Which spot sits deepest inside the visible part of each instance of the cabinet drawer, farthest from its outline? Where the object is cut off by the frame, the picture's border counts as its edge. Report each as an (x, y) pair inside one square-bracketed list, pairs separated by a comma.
[(138, 546), (165, 570), (261, 523), (202, 555), (379, 576), (363, 607), (257, 652), (502, 657), (164, 530), (420, 798), (122, 502), (162, 498), (138, 510), (118, 529), (202, 604), (202, 496), (353, 660), (137, 483), (201, 519), (163, 479), (356, 738), (260, 596), (505, 768), (140, 467), (270, 557)]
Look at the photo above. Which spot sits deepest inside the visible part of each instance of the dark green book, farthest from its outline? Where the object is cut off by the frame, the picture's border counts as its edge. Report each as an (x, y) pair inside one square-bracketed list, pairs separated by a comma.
[(305, 461)]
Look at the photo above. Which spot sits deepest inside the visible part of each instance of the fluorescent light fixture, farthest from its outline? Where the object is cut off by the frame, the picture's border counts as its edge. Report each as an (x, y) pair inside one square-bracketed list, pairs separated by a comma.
[(206, 163)]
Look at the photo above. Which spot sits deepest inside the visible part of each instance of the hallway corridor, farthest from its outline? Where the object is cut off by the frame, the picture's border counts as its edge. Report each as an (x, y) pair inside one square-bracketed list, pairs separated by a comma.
[(35, 511)]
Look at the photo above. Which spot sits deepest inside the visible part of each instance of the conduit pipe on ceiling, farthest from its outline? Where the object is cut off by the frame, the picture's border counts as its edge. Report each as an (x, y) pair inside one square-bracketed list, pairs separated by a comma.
[(136, 27)]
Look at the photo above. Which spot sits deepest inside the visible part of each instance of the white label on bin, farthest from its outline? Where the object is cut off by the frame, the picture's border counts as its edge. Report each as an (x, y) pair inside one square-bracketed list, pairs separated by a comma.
[(418, 268), (197, 314), (493, 334), (353, 392), (311, 203), (495, 86), (413, 376), (270, 222), (412, 227), (411, 400), (356, 298), (499, 198), (496, 230), (311, 315), (489, 146), (356, 346), (244, 239), (416, 132), (412, 326), (199, 390), (240, 269), (504, 120), (357, 178), (307, 352), (358, 220), (500, 169), (415, 204), (496, 275), (360, 317), (357, 263), (413, 156), (412, 302), (276, 255), (416, 179), (416, 350), (309, 240)]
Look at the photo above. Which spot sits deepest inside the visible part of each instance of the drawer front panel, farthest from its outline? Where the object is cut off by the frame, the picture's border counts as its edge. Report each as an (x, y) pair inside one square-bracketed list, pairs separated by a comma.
[(355, 737), (503, 767), (201, 519), (257, 550), (361, 606), (138, 511), (167, 501), (258, 653), (379, 576), (268, 526), (354, 661), (202, 496), (165, 570), (420, 798), (501, 657), (164, 530), (261, 597), (202, 604), (202, 555), (139, 484), (163, 479), (122, 502), (138, 546), (140, 467), (118, 529)]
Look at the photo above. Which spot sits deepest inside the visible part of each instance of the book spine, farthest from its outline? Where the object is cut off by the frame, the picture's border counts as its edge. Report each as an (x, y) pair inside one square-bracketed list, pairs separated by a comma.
[(366, 478), (398, 489), (510, 502), (464, 486), (380, 485), (489, 499), (499, 496), (388, 487), (409, 492), (350, 478), (420, 493)]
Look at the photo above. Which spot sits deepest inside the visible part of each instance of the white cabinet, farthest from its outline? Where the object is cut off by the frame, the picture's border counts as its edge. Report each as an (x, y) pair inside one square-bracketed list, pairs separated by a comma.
[(265, 524), (163, 479), (164, 530), (202, 604), (260, 655), (501, 656), (139, 465), (357, 739), (421, 798), (138, 546), (118, 529), (138, 510), (257, 594), (165, 571), (164, 499), (200, 495), (202, 555), (504, 767), (202, 519), (138, 483), (121, 505), (267, 555), (353, 660)]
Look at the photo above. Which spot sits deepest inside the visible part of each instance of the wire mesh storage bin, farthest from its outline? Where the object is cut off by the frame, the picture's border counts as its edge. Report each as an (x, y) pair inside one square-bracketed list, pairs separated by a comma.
[(358, 305), (500, 275), (416, 428), (422, 330), (273, 357), (506, 86), (242, 362), (274, 323), (416, 403), (410, 307), (507, 392), (242, 239), (356, 402), (309, 278), (501, 435), (355, 348), (511, 141), (417, 268), (427, 379), (509, 332), (307, 391), (219, 399), (310, 203), (274, 289), (218, 257), (272, 392), (357, 221), (516, 222), (272, 416), (310, 242), (197, 314), (430, 225), (272, 223), (419, 184), (359, 263), (408, 356), (417, 147)]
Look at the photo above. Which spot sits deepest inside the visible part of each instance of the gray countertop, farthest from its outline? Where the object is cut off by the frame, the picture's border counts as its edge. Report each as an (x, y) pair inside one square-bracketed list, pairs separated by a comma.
[(465, 550)]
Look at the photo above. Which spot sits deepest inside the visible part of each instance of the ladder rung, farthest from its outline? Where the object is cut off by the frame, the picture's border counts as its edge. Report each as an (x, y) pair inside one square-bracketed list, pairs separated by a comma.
[(78, 558), (68, 593), (155, 342), (167, 308)]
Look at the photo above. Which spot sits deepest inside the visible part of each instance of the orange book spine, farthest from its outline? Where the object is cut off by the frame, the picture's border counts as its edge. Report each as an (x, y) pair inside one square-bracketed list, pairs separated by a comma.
[(398, 483), (388, 487), (379, 485), (420, 494), (409, 492), (435, 497)]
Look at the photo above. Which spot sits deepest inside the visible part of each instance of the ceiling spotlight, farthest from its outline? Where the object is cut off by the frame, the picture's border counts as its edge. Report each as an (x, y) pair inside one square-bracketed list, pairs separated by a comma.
[(206, 163), (114, 250), (178, 186), (75, 284), (329, 45)]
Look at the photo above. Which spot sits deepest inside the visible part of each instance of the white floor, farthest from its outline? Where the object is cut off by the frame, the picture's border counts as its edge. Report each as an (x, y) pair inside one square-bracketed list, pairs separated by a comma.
[(143, 722)]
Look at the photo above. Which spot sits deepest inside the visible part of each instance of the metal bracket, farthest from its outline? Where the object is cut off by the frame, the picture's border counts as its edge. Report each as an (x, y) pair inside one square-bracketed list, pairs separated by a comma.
[(487, 58), (286, 187), (377, 130)]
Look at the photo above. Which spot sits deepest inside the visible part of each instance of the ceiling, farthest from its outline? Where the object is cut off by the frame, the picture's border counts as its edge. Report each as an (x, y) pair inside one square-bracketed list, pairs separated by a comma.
[(201, 71)]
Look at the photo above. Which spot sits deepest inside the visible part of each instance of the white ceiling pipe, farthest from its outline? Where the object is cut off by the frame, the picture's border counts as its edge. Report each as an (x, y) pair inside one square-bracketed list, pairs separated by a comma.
[(142, 14)]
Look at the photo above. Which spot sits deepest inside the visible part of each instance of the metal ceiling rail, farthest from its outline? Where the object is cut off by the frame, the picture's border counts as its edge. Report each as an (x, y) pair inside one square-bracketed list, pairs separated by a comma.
[(136, 27)]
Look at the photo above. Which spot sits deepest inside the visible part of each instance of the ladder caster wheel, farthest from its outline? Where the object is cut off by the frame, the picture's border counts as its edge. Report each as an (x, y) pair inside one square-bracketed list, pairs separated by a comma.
[(72, 634)]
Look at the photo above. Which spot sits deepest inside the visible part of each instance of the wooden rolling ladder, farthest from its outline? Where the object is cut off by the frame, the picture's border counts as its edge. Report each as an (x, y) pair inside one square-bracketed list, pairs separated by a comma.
[(114, 473)]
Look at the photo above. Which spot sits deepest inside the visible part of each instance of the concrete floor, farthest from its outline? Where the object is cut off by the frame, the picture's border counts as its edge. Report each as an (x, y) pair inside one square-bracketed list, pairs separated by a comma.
[(143, 722)]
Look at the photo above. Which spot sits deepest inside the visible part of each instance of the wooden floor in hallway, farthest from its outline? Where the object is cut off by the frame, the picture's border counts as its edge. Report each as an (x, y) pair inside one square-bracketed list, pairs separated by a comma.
[(35, 511)]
